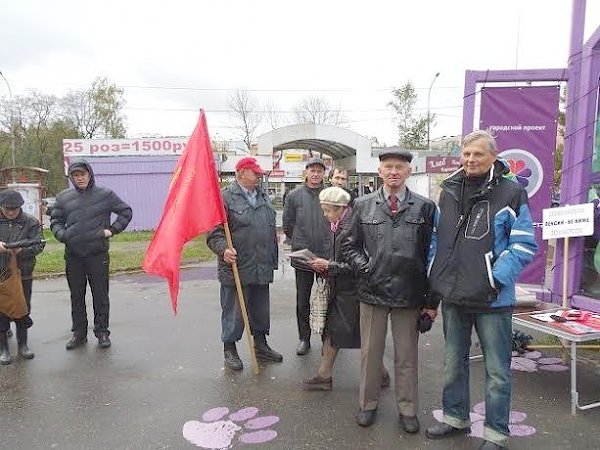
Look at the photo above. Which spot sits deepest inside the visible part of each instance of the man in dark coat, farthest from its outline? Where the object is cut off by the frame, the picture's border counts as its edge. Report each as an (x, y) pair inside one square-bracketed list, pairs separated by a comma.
[(251, 219), (388, 246), (305, 225), (16, 225), (485, 238), (81, 220)]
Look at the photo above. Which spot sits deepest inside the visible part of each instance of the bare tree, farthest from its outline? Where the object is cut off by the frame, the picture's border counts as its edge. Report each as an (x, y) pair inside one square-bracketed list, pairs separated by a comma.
[(273, 114), (317, 110), (246, 119)]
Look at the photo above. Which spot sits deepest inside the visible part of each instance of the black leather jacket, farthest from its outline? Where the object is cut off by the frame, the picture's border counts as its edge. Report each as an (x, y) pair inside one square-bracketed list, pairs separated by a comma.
[(390, 252)]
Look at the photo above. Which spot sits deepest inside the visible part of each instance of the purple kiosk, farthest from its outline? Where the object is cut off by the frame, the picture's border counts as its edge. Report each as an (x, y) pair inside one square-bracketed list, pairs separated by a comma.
[(524, 119)]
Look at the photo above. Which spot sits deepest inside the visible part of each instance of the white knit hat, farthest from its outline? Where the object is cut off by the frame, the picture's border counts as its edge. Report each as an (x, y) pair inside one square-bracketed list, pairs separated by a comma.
[(334, 196)]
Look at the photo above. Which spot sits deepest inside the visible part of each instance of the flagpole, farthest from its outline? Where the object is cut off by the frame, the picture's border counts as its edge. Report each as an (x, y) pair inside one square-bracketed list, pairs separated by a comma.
[(242, 302)]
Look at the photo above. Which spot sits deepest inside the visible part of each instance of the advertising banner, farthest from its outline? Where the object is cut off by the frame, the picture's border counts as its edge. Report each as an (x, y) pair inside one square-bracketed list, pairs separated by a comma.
[(524, 121)]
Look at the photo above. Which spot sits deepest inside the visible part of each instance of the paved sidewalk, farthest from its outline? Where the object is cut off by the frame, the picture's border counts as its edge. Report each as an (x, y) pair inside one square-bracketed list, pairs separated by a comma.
[(164, 371)]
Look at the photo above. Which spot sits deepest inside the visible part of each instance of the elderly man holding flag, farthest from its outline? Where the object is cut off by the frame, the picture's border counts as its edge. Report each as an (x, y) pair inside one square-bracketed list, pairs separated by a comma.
[(251, 219), (195, 187)]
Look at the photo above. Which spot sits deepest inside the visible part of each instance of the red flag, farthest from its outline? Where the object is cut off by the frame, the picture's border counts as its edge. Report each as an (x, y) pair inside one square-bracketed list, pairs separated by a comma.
[(194, 206)]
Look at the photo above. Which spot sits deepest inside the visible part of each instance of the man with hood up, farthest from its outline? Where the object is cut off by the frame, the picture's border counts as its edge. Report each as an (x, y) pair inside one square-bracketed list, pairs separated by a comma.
[(81, 220)]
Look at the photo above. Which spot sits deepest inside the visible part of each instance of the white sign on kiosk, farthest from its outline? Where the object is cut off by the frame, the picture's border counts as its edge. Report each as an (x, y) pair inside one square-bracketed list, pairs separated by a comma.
[(568, 221)]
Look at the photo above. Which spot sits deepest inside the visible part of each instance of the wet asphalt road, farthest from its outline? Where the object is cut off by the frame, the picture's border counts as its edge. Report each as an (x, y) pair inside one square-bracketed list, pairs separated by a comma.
[(163, 371)]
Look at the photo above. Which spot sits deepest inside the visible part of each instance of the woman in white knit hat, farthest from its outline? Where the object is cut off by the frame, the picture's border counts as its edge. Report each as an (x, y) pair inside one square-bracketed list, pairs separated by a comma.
[(342, 324)]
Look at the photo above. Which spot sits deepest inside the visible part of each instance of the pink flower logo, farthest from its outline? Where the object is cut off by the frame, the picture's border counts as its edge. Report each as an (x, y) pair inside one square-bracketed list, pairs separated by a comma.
[(521, 171), (515, 420), (218, 429), (533, 361)]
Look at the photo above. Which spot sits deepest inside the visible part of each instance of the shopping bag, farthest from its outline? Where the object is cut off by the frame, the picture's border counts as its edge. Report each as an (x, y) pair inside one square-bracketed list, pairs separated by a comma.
[(12, 298), (319, 297)]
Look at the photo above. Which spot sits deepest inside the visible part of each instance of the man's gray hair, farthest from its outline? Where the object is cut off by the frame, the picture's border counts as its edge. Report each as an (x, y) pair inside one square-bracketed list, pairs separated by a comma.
[(481, 134)]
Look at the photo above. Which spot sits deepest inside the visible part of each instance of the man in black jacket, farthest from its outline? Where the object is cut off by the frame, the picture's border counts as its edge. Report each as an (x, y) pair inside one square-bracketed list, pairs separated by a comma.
[(16, 225), (81, 220), (388, 245), (305, 225), (251, 219)]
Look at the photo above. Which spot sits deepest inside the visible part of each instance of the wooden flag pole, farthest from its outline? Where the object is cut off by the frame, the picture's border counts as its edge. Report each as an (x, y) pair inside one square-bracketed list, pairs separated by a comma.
[(242, 302)]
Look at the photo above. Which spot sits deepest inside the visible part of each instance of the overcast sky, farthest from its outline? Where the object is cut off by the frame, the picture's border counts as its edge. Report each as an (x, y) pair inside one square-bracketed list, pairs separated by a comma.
[(174, 57)]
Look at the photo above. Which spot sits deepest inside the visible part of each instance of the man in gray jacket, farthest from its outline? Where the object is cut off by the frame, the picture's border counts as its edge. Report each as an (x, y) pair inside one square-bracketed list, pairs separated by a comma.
[(251, 219), (305, 225), (81, 220)]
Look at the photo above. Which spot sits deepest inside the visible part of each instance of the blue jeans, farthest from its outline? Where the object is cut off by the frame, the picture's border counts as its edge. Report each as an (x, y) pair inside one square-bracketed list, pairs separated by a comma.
[(256, 297), (494, 330)]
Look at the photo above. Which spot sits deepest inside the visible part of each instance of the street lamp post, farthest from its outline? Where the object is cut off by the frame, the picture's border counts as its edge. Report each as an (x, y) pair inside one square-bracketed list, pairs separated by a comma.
[(428, 103), (12, 122)]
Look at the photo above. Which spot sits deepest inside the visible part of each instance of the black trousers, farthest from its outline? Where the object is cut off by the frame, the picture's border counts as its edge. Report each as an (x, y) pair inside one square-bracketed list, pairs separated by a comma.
[(304, 283), (26, 321), (92, 269)]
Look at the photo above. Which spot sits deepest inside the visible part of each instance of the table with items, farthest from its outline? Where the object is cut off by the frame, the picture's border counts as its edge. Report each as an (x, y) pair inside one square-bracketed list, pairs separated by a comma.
[(573, 325)]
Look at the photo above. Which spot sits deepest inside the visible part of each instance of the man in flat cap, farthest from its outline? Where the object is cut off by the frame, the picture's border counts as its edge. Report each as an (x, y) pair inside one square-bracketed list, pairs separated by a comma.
[(16, 225), (81, 219), (307, 228), (388, 245), (251, 219)]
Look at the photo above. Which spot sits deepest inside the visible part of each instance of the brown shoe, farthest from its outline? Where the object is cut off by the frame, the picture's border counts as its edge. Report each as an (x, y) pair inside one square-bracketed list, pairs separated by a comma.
[(317, 383)]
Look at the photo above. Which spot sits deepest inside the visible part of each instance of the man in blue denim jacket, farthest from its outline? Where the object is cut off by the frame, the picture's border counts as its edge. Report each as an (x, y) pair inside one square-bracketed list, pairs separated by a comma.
[(484, 240)]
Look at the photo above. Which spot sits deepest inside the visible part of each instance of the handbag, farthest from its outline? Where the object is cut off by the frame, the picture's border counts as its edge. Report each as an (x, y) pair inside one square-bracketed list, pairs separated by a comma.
[(319, 298), (12, 298)]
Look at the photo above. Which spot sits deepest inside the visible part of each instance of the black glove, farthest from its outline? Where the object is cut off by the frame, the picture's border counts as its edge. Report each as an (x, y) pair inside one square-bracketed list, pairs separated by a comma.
[(424, 323)]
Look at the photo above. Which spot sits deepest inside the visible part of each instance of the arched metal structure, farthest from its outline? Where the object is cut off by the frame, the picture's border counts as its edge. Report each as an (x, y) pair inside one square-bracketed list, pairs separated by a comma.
[(347, 148)]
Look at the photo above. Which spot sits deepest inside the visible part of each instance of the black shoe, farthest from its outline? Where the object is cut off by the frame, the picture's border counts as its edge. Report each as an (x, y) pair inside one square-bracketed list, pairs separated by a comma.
[(487, 445), (232, 359), (410, 424), (23, 349), (303, 348), (366, 418), (76, 341), (266, 353), (443, 430), (103, 340)]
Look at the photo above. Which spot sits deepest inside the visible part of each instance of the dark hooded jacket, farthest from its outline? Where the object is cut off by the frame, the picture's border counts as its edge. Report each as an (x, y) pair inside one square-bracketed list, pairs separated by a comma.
[(80, 216)]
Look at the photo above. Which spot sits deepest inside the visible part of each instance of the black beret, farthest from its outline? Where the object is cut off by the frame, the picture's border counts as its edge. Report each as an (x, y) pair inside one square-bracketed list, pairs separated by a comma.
[(11, 199), (400, 154)]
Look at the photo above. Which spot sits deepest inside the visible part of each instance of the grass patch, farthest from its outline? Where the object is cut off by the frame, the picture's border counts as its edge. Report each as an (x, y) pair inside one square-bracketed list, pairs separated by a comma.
[(127, 252)]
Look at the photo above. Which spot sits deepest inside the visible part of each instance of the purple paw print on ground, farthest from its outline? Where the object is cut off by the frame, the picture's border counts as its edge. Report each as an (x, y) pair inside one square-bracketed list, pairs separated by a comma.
[(218, 428), (478, 416), (532, 361)]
